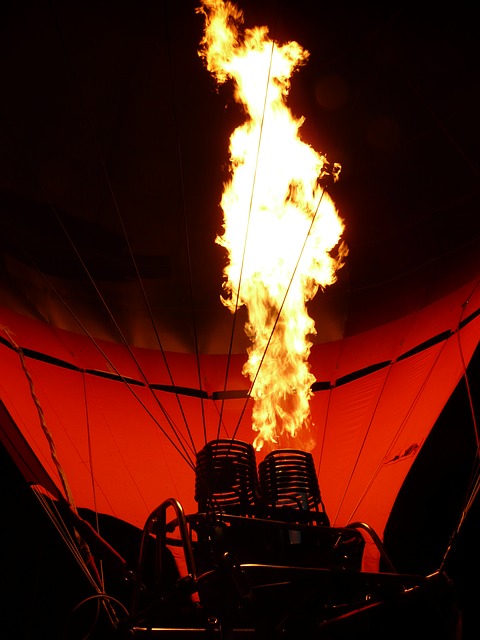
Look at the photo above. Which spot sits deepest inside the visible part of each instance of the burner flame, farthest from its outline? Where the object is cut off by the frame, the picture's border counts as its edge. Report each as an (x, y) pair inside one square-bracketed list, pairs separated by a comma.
[(280, 225)]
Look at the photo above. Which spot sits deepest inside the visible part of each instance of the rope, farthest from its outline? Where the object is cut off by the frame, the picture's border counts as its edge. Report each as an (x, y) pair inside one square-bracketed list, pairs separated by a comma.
[(41, 416), (87, 557)]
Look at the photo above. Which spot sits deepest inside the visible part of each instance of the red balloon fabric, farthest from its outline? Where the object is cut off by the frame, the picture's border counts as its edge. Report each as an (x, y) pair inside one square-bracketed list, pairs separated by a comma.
[(125, 423)]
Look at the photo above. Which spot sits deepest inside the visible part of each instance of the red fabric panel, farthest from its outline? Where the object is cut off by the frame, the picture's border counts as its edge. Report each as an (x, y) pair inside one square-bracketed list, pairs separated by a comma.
[(125, 448)]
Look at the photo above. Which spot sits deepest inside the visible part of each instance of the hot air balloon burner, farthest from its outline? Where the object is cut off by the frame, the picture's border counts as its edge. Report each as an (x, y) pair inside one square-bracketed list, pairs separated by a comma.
[(285, 485), (289, 486), (270, 514), (226, 478)]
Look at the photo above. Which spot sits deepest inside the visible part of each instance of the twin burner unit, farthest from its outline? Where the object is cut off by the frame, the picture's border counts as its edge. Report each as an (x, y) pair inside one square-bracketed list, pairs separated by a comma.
[(285, 486), (260, 537), (259, 558)]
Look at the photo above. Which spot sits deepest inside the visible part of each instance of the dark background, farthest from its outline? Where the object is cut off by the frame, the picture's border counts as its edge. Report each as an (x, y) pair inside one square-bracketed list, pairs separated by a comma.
[(112, 128)]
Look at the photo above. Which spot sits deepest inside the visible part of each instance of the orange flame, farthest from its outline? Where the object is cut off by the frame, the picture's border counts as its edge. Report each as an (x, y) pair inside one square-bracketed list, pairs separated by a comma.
[(279, 224)]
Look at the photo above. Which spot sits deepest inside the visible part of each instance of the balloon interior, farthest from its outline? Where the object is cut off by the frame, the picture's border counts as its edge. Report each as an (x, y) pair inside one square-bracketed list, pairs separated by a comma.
[(289, 454)]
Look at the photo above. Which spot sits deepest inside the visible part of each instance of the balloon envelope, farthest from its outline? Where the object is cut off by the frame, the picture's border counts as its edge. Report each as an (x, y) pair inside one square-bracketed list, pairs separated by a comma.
[(113, 160)]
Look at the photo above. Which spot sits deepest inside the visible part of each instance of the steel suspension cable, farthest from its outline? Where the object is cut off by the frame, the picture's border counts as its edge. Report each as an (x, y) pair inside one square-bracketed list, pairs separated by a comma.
[(186, 231), (125, 342), (120, 219), (474, 483)]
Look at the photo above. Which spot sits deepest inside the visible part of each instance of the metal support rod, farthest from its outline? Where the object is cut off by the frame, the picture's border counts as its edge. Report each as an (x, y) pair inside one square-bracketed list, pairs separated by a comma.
[(376, 539)]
